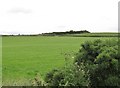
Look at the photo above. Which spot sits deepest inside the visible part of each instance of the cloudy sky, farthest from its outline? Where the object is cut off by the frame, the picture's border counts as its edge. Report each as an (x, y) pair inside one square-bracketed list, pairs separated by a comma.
[(38, 16)]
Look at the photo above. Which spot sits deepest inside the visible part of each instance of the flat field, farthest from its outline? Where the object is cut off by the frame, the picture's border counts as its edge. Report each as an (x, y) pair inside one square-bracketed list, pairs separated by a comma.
[(24, 56)]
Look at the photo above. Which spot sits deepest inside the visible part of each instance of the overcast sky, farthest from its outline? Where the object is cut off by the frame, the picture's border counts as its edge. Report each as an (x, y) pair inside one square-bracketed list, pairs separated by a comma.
[(38, 16)]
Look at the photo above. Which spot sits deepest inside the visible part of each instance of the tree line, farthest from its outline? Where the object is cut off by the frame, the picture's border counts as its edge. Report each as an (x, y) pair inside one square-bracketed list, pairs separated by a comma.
[(67, 32)]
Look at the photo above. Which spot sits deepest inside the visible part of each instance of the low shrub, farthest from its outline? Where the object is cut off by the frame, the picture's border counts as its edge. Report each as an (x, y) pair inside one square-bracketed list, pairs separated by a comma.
[(100, 61)]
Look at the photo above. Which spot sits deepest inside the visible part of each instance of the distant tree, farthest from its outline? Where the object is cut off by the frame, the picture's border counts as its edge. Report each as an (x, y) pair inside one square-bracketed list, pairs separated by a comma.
[(71, 31), (67, 32)]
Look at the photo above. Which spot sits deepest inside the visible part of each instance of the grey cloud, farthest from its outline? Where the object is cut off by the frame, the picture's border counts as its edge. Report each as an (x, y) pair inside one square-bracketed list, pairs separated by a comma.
[(20, 10)]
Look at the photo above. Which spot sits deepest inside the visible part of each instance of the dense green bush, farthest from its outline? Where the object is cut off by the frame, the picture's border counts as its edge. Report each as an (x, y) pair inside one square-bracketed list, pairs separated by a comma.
[(54, 78), (69, 76), (100, 61)]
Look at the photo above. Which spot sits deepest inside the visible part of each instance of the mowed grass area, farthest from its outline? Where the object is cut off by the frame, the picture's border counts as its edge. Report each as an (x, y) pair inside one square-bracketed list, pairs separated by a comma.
[(24, 56)]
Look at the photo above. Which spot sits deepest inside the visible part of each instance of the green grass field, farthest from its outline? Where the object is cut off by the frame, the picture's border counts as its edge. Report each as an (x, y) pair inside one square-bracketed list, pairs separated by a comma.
[(24, 56)]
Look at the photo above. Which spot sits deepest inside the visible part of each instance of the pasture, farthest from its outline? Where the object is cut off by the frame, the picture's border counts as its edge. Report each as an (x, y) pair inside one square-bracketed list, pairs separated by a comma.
[(24, 56)]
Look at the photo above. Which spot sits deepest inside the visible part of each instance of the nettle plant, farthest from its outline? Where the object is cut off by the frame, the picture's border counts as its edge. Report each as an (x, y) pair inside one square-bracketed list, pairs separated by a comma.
[(99, 60)]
